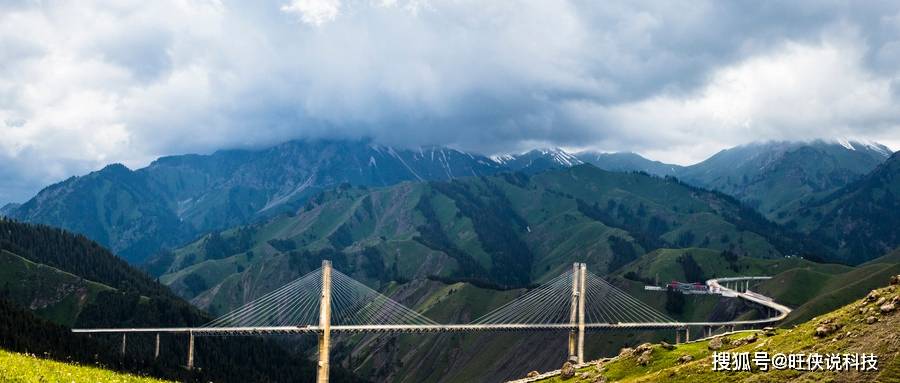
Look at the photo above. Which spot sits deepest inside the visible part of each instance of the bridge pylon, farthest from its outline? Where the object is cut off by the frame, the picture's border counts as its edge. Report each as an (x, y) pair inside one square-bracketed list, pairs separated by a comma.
[(573, 312), (576, 313), (324, 323), (582, 269)]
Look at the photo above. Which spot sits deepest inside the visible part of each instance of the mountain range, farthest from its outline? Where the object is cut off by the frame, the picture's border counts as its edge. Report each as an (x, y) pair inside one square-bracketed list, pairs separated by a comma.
[(138, 213), (508, 230), (777, 177)]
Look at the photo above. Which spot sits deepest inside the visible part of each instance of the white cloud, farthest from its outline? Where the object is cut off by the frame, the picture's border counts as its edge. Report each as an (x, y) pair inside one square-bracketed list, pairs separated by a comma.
[(315, 12), (795, 92), (88, 83)]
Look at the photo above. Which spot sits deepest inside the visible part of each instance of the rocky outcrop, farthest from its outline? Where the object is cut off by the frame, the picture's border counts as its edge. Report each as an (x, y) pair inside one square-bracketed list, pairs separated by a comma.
[(567, 371), (745, 340), (827, 327), (643, 348), (645, 358)]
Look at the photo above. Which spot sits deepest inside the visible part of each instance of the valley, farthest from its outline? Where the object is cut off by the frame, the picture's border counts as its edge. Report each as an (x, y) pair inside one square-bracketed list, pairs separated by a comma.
[(454, 247)]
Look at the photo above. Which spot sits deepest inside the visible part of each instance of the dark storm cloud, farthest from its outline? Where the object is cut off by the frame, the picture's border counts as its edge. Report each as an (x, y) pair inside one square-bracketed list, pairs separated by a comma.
[(96, 82)]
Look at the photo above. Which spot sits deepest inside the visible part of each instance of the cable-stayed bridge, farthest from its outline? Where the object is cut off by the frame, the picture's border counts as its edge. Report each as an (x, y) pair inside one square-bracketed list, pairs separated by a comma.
[(327, 301)]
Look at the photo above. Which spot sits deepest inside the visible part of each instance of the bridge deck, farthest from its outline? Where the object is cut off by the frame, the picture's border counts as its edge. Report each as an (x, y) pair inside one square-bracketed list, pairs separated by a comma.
[(713, 283)]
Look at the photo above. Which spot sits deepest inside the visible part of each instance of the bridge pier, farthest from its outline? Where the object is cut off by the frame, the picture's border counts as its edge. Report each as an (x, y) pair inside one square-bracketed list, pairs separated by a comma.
[(324, 323), (123, 344), (156, 349), (687, 335), (190, 360)]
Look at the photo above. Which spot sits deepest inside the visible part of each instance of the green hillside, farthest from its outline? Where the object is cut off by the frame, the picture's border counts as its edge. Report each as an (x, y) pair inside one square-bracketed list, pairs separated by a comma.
[(24, 368), (807, 287), (815, 289), (49, 292), (848, 329), (698, 264), (77, 255), (507, 230), (860, 221)]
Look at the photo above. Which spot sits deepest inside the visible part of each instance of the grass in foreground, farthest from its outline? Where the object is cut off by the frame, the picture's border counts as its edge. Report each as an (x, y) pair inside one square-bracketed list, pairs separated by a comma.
[(21, 368)]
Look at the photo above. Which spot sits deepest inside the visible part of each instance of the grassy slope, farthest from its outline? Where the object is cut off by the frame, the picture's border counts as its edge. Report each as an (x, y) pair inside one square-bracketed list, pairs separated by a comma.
[(22, 368), (51, 293), (663, 264), (854, 336), (821, 288), (809, 288)]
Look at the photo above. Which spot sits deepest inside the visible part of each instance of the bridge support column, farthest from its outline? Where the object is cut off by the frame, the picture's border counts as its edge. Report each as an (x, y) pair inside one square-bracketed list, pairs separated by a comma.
[(156, 349), (190, 361), (687, 334), (582, 269), (123, 344), (324, 323), (573, 311)]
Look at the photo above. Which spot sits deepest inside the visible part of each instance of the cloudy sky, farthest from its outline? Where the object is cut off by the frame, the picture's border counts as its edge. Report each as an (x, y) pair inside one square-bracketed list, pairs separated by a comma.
[(87, 83)]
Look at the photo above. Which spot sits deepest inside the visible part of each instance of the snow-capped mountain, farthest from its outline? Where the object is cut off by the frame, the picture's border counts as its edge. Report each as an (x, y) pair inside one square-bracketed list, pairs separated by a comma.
[(135, 212), (537, 160)]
